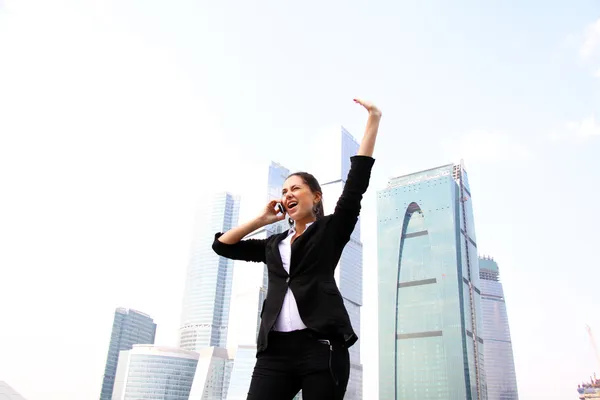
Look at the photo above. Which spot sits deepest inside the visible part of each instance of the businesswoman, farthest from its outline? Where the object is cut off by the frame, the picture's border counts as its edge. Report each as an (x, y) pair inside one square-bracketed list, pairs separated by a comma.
[(305, 330)]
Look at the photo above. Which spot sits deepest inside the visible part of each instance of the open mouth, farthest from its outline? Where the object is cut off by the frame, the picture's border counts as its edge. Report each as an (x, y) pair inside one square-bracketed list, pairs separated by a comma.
[(291, 205)]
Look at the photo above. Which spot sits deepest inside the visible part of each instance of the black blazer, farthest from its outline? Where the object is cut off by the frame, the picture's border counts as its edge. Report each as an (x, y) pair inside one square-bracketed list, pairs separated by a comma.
[(314, 257)]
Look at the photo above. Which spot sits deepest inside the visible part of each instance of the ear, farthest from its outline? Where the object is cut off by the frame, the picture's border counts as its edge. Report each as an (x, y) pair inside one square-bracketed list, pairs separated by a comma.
[(318, 198)]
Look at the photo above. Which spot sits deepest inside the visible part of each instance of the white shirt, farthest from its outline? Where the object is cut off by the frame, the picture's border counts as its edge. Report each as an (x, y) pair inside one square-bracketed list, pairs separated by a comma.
[(289, 316)]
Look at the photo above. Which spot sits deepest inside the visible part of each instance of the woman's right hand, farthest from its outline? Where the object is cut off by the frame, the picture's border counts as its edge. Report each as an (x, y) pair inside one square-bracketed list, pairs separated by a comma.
[(271, 213)]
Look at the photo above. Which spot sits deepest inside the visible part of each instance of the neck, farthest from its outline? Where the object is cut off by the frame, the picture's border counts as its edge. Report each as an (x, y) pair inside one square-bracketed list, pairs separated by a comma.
[(301, 225)]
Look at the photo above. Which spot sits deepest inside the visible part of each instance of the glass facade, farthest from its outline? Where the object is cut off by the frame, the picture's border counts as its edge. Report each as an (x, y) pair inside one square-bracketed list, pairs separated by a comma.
[(149, 372), (499, 363), (241, 374), (430, 344), (206, 301), (349, 272), (129, 327), (213, 373)]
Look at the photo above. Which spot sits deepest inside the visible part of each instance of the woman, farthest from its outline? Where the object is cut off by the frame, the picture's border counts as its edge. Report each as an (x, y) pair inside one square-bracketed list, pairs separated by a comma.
[(305, 330)]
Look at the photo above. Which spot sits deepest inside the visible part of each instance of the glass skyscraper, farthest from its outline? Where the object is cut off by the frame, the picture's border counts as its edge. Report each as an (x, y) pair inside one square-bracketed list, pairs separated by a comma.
[(499, 363), (206, 300), (430, 317), (153, 372), (129, 327), (349, 273), (251, 281), (213, 374)]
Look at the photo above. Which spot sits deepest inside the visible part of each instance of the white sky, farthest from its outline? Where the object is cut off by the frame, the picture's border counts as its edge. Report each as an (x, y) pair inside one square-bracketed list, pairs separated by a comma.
[(117, 117)]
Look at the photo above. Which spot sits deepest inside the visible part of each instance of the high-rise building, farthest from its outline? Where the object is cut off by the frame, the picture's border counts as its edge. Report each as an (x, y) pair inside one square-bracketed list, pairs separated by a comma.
[(129, 327), (249, 293), (206, 301), (349, 272), (153, 372), (241, 374), (8, 393), (430, 318), (213, 374), (498, 351)]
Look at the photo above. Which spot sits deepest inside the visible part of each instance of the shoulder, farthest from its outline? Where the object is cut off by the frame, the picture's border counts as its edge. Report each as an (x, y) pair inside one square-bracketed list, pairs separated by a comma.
[(323, 222)]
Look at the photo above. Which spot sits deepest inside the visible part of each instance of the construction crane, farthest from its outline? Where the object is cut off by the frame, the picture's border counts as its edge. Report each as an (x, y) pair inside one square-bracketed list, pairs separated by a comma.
[(594, 346)]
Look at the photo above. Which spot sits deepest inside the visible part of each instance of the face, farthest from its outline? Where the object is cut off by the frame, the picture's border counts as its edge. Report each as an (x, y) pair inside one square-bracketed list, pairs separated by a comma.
[(297, 199)]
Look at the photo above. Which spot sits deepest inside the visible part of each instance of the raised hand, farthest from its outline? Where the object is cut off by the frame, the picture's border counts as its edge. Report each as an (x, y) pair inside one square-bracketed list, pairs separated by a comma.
[(271, 214), (370, 107), (367, 145)]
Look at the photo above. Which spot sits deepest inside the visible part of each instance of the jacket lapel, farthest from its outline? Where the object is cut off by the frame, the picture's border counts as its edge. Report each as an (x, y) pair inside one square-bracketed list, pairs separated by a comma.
[(297, 246), (275, 250)]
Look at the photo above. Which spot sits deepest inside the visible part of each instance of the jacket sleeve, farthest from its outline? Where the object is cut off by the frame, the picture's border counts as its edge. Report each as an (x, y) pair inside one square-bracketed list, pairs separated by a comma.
[(348, 206), (246, 250)]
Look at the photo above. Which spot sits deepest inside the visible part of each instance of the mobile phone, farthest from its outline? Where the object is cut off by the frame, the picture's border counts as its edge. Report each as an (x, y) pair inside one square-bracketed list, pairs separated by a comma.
[(280, 207)]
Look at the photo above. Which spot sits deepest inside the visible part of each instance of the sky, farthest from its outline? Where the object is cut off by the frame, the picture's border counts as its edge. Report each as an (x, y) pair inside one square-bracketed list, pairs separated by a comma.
[(117, 117)]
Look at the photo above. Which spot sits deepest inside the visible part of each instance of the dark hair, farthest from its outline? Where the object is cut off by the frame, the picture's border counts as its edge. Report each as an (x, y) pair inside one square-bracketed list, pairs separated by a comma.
[(314, 186)]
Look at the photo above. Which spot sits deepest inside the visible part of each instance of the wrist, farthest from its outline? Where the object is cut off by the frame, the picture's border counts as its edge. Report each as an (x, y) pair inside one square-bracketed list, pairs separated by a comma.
[(375, 113), (260, 221)]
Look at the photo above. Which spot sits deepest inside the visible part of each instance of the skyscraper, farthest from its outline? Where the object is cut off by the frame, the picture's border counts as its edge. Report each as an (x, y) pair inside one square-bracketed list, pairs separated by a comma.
[(430, 324), (153, 372), (250, 290), (213, 373), (349, 272), (129, 327), (499, 362), (206, 300)]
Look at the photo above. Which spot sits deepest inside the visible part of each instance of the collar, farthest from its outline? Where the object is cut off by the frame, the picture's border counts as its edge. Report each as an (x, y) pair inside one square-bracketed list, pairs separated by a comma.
[(292, 230)]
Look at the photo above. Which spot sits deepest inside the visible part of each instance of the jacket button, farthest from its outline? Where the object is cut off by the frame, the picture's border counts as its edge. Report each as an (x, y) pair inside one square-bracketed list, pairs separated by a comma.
[(287, 280)]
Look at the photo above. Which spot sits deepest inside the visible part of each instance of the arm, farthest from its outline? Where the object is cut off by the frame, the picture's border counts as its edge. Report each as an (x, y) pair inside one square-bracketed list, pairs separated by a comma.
[(236, 234), (231, 245), (367, 145), (348, 206)]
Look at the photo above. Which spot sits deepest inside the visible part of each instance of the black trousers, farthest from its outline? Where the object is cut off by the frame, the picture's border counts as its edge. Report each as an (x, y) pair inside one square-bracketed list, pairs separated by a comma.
[(298, 360)]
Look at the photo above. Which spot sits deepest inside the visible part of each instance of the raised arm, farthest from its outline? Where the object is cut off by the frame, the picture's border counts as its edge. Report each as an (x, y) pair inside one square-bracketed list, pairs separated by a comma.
[(231, 245), (367, 144), (348, 206)]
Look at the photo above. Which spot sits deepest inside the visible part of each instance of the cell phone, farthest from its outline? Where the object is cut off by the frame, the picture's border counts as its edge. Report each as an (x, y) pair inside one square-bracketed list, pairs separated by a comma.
[(280, 207)]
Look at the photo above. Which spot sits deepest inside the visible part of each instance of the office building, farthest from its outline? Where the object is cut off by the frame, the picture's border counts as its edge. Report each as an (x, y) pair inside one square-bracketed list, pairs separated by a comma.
[(430, 316), (498, 351), (207, 295), (130, 327), (213, 373), (349, 272), (249, 292), (153, 372)]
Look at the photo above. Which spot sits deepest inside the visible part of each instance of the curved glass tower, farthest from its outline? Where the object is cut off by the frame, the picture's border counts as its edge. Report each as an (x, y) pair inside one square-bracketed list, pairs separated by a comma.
[(430, 344)]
